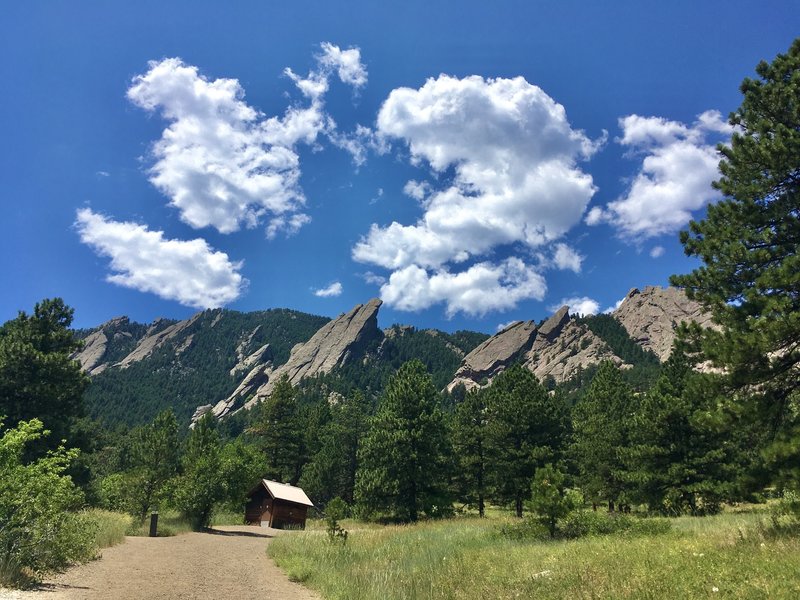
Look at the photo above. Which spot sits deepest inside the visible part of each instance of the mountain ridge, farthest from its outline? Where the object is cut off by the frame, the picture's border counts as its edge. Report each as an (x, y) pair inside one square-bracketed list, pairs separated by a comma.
[(230, 360)]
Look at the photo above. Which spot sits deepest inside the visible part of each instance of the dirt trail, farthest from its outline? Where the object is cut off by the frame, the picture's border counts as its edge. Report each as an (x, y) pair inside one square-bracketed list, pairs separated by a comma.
[(230, 562)]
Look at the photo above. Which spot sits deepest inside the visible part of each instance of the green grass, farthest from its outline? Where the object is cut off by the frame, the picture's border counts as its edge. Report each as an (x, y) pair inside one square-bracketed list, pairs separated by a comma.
[(467, 558), (171, 522), (227, 517), (111, 526)]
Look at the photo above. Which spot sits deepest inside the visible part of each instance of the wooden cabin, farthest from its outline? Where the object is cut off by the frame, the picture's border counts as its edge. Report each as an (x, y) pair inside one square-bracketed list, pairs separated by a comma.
[(278, 505)]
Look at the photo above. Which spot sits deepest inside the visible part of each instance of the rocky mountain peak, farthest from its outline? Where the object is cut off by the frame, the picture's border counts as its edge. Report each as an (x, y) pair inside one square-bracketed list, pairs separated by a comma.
[(652, 315), (495, 354), (96, 344), (558, 349), (565, 348), (553, 326), (333, 345), (157, 335)]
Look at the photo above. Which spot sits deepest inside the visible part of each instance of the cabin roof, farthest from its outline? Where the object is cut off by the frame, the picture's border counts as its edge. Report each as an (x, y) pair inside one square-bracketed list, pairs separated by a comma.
[(286, 492)]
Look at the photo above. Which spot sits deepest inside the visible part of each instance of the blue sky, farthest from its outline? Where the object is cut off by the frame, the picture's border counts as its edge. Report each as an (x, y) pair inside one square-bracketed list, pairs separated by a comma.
[(472, 163)]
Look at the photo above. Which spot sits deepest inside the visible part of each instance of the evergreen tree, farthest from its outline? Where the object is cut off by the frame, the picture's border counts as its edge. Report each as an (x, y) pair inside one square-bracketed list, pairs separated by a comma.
[(155, 458), (332, 471), (550, 500), (402, 460), (202, 483), (277, 423), (526, 428), (683, 457), (750, 247), (38, 379), (469, 448), (600, 423)]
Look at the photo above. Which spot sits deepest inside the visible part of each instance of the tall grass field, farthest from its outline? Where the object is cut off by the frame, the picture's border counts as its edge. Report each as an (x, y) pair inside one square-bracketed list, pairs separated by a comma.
[(726, 556)]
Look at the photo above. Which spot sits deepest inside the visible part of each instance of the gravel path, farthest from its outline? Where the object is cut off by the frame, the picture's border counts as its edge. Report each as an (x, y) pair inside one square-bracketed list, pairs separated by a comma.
[(230, 562)]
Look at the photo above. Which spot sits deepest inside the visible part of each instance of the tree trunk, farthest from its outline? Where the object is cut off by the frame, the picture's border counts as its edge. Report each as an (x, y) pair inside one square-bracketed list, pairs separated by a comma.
[(611, 506), (518, 506)]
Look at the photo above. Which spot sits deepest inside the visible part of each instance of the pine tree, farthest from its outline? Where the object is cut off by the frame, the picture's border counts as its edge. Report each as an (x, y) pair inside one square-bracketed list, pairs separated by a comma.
[(38, 379), (550, 500), (600, 422), (402, 461), (277, 423), (155, 458), (332, 471), (526, 429), (469, 448), (683, 456), (750, 247)]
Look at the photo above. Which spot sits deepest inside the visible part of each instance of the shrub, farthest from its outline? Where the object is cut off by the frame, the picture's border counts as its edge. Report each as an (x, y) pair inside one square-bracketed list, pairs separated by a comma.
[(587, 523), (528, 528), (334, 512), (592, 523), (114, 493), (785, 514), (39, 531)]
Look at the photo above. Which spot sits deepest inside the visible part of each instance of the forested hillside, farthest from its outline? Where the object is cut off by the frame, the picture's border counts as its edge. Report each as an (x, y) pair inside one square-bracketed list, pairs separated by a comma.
[(196, 365), (193, 368)]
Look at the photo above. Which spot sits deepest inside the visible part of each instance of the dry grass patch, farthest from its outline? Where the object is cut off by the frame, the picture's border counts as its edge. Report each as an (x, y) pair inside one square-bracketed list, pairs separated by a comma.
[(717, 557)]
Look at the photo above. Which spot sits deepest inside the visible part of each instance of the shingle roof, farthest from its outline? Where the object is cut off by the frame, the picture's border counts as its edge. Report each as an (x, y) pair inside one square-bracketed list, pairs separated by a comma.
[(284, 491)]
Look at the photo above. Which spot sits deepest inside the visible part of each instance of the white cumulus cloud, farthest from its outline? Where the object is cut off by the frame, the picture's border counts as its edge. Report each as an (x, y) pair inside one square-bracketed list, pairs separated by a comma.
[(581, 305), (188, 271), (347, 64), (513, 155), (657, 251), (373, 279), (480, 289), (565, 257), (221, 162), (334, 289), (678, 165)]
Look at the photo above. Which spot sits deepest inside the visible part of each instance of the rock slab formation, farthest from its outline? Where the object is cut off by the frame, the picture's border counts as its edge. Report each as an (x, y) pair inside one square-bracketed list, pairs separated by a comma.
[(651, 316), (558, 349), (333, 345), (96, 343), (157, 335), (494, 355), (567, 348)]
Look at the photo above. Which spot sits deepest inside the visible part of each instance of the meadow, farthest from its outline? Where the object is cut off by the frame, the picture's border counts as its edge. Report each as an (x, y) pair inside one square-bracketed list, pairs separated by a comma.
[(732, 555)]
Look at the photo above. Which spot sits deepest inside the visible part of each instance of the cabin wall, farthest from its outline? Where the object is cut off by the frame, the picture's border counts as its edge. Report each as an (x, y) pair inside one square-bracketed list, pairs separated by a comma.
[(258, 508), (286, 514)]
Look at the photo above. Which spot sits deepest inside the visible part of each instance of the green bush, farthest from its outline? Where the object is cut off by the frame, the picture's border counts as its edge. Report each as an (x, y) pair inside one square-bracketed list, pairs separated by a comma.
[(335, 512), (586, 523), (529, 528), (785, 515), (551, 502), (39, 531), (592, 523), (114, 493)]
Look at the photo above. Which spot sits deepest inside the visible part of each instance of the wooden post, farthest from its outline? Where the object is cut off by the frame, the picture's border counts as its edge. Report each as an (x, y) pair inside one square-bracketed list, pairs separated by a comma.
[(154, 523)]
